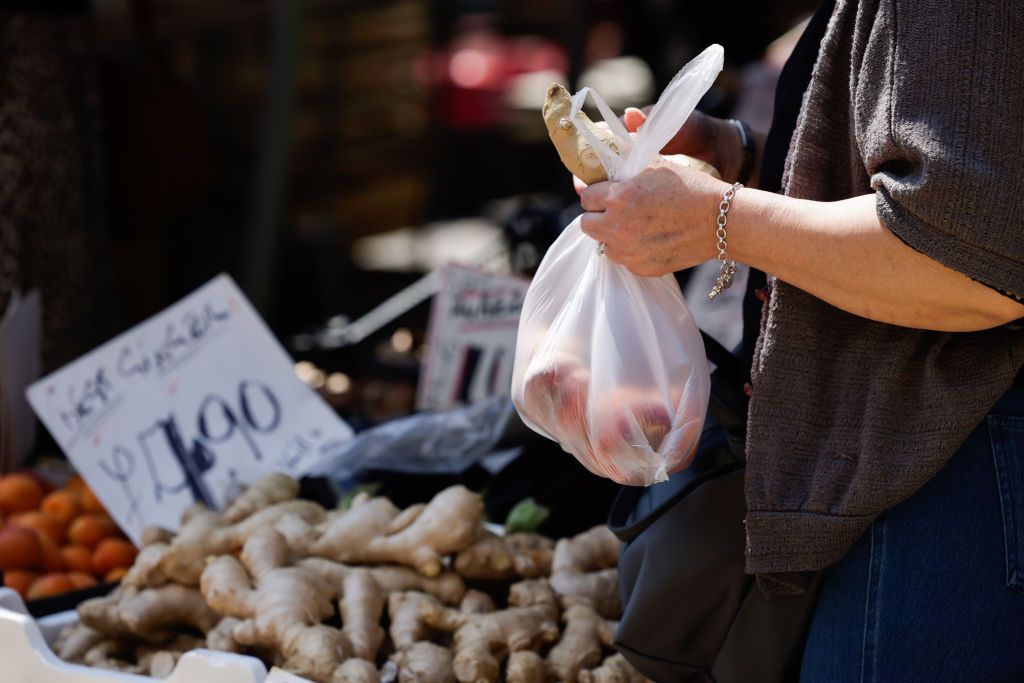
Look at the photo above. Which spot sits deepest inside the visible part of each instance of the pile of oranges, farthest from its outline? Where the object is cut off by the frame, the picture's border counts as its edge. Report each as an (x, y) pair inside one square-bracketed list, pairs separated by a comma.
[(54, 541)]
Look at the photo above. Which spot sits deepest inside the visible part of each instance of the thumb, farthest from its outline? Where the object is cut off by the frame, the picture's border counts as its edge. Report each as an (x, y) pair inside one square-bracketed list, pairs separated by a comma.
[(633, 118)]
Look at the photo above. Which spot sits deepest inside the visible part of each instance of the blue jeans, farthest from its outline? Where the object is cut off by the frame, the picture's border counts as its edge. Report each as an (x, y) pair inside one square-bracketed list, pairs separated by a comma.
[(934, 590)]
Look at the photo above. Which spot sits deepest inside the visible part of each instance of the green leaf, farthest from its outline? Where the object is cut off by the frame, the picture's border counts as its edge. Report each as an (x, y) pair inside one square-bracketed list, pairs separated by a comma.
[(527, 515)]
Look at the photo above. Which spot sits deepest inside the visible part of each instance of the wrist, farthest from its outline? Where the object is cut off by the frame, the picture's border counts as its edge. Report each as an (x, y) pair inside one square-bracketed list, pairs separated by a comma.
[(730, 150)]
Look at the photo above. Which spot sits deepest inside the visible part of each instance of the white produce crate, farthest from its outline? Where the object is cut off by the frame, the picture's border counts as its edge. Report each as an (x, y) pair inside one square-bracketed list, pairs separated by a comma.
[(26, 656)]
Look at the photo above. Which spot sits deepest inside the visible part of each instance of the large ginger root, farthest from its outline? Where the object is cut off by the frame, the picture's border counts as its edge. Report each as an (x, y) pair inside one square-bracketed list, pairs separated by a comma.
[(533, 592), (573, 149), (583, 568), (576, 152), (407, 626), (600, 588), (448, 524), (447, 586), (152, 614), (495, 557), (361, 605), (580, 646), (596, 548), (283, 610), (208, 533), (614, 669), (525, 666), (272, 488), (424, 662), (481, 641)]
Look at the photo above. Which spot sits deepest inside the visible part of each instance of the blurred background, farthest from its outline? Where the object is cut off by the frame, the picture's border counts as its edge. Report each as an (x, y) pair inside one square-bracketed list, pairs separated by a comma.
[(327, 154)]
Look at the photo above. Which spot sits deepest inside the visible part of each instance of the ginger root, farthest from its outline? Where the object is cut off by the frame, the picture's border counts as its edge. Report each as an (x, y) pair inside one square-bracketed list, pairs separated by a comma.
[(614, 669), (208, 533), (477, 602), (525, 666), (580, 645), (600, 588), (481, 641), (111, 655), (147, 571), (361, 606), (75, 640), (222, 636), (493, 557), (576, 152), (447, 586), (152, 614), (356, 670), (424, 662), (281, 605), (448, 524), (272, 488), (596, 548), (582, 568), (407, 626), (573, 149)]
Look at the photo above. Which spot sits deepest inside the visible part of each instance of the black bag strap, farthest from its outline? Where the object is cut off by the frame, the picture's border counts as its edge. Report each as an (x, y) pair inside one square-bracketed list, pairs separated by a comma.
[(727, 403)]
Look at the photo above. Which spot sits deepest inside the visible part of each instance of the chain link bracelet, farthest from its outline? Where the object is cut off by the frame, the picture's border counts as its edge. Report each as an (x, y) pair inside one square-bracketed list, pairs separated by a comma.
[(728, 267)]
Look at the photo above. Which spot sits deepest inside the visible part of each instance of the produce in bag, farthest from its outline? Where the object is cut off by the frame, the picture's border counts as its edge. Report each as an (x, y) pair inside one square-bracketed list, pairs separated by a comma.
[(609, 364)]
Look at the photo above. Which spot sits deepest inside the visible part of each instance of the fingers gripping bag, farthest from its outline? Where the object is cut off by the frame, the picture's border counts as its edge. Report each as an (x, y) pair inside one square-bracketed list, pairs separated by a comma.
[(610, 364)]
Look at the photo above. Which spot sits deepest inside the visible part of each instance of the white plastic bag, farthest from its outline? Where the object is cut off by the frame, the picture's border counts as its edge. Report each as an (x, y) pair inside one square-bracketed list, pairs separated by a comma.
[(609, 364)]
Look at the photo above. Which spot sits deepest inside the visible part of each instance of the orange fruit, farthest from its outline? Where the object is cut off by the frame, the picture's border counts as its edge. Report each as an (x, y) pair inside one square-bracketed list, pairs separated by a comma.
[(77, 558), (89, 501), (19, 548), (52, 559), (115, 574), (19, 492), (41, 523), (62, 505), (46, 585), (112, 553), (89, 530), (82, 580), (19, 580), (75, 484)]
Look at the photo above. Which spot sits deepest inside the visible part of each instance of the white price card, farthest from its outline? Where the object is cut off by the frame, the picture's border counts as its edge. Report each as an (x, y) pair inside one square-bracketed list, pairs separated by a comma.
[(188, 406), (472, 337)]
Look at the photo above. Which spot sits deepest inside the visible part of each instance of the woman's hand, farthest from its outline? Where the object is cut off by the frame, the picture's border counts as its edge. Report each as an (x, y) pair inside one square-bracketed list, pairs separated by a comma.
[(658, 222), (702, 137)]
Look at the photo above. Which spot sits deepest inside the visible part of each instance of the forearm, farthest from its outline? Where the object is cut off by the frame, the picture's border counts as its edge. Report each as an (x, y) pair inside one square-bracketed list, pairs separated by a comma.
[(731, 152), (843, 254)]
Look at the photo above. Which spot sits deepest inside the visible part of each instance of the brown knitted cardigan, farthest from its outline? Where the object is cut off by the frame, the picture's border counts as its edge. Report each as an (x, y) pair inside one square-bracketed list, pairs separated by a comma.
[(922, 103)]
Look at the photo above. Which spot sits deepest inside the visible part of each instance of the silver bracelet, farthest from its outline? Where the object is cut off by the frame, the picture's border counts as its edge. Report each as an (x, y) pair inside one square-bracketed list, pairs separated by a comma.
[(728, 267)]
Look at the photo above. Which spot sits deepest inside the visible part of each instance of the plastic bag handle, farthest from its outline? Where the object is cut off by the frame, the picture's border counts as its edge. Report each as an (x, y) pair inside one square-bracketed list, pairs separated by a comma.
[(669, 113)]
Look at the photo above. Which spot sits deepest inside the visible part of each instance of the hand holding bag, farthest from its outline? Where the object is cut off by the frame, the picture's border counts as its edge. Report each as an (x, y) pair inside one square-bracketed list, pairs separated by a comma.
[(608, 363)]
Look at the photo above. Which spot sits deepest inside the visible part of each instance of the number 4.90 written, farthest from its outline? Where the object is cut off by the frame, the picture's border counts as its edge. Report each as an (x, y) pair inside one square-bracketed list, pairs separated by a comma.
[(219, 422)]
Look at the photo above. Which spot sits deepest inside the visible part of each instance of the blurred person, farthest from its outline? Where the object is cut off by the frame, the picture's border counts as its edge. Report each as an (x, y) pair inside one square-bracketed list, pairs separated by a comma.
[(886, 420), (52, 185)]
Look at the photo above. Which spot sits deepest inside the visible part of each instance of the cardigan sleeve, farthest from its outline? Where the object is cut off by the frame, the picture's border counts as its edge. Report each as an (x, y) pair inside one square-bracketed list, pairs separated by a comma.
[(939, 119)]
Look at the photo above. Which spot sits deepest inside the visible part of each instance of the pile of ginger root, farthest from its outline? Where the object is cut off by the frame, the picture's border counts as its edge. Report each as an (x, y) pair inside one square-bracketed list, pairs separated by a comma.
[(368, 594)]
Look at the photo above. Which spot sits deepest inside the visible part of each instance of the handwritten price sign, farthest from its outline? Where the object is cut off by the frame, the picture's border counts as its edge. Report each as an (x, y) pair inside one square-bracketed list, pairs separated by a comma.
[(189, 406), (472, 337)]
